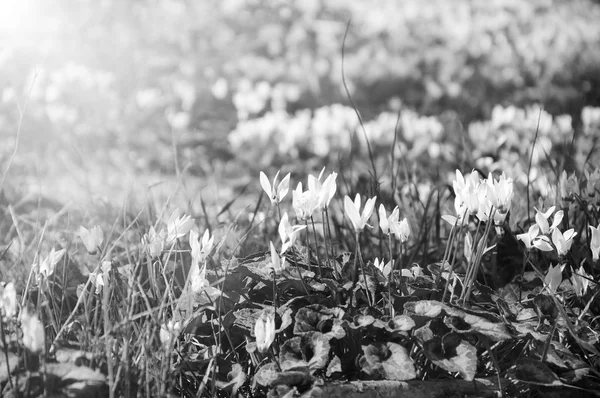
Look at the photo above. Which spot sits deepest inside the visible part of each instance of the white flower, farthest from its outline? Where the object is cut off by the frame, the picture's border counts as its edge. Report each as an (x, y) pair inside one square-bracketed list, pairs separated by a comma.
[(275, 195), (277, 261), (200, 251), (33, 332), (153, 242), (325, 191), (352, 208), (49, 263), (304, 203), (385, 222), (414, 272), (288, 233), (529, 236), (168, 331), (500, 193), (593, 181), (100, 278), (91, 239), (465, 191), (8, 300), (554, 278), (385, 268), (563, 242), (542, 219), (402, 230), (264, 329), (580, 281), (178, 226)]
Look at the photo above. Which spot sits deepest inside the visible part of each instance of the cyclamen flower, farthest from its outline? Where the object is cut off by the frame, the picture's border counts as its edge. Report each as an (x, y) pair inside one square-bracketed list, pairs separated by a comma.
[(385, 222), (465, 190), (8, 300), (264, 330), (178, 226), (169, 330), (277, 261), (92, 239), (352, 208), (275, 194), (553, 278), (542, 219), (153, 242), (288, 233), (33, 332), (385, 268), (100, 278), (580, 281), (593, 181), (47, 266), (563, 242), (533, 239), (304, 203), (200, 250), (323, 191), (500, 193), (402, 230), (568, 186)]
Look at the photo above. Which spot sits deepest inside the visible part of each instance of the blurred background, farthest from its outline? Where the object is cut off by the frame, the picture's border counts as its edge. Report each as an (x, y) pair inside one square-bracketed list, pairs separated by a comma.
[(115, 99)]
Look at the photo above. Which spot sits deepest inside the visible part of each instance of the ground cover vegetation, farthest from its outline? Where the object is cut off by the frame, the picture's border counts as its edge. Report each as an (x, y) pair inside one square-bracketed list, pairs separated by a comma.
[(430, 211)]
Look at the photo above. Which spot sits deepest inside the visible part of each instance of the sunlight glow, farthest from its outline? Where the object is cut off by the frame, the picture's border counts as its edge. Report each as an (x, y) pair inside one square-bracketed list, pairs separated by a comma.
[(18, 17)]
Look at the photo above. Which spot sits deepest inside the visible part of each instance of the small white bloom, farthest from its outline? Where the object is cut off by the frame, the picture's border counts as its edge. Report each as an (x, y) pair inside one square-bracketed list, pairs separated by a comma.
[(264, 329), (352, 208), (91, 239), (277, 261), (8, 300), (154, 242), (275, 194), (580, 281), (33, 332), (169, 330), (178, 226), (304, 203), (553, 278), (200, 251), (563, 242), (402, 230), (288, 233), (49, 263), (385, 222), (385, 268), (542, 219)]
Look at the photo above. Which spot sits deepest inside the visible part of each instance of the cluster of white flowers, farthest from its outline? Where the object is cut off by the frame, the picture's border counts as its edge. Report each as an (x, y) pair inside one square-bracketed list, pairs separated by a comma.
[(483, 198)]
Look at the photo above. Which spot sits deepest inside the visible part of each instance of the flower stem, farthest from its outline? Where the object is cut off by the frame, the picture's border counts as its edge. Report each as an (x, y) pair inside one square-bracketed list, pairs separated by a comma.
[(391, 275), (316, 246), (362, 268)]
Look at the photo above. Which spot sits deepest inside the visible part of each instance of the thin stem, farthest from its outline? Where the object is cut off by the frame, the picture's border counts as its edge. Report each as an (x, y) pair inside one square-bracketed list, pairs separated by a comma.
[(401, 265), (316, 246), (391, 275), (279, 213), (275, 303), (329, 234), (327, 260), (477, 263), (362, 269)]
